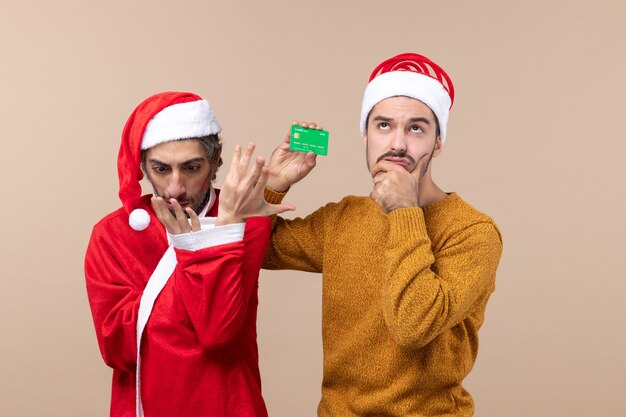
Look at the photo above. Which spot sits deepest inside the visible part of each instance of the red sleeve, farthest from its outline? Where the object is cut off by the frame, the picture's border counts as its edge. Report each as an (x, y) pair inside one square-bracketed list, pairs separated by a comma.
[(214, 285), (114, 292)]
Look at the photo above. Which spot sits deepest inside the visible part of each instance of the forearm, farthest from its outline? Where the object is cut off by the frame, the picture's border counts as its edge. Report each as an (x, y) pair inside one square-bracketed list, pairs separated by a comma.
[(213, 284), (114, 302), (295, 244), (427, 293), (213, 294)]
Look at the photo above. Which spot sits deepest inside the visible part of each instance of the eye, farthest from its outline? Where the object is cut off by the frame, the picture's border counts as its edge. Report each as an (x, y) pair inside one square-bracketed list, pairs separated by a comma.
[(383, 125), (193, 168), (159, 169), (416, 129)]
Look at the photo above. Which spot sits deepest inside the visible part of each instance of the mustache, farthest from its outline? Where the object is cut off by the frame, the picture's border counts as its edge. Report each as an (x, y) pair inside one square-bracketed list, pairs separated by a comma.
[(396, 154)]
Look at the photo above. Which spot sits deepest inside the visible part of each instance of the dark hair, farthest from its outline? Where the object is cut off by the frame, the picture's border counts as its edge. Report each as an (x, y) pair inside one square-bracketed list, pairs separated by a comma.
[(212, 145)]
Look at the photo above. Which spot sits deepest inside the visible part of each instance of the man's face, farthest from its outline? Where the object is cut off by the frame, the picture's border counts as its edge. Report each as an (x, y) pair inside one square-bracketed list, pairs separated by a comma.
[(180, 169), (401, 130)]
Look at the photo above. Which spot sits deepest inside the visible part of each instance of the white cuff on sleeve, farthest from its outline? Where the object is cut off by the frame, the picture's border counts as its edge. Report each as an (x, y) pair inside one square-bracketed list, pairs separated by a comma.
[(210, 235)]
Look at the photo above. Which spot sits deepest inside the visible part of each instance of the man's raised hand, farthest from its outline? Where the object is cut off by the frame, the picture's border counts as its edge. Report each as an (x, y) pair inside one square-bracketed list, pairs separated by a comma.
[(242, 194), (287, 167)]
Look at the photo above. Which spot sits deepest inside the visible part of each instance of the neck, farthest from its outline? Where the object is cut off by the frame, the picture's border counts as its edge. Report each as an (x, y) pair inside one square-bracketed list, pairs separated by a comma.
[(429, 192)]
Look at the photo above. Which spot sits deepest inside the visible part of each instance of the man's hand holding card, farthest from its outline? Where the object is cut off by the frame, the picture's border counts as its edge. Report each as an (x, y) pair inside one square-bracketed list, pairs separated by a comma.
[(292, 161)]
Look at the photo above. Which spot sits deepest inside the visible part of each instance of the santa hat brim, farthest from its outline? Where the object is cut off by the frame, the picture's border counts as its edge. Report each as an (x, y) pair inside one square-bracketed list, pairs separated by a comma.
[(409, 84), (193, 119)]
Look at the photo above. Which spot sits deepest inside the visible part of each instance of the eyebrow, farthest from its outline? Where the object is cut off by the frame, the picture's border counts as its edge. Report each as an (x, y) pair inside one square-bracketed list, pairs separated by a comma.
[(419, 119), (412, 119), (156, 161)]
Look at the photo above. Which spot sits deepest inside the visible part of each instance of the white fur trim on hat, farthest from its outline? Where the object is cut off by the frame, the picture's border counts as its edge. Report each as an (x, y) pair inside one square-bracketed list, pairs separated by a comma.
[(180, 121), (410, 84)]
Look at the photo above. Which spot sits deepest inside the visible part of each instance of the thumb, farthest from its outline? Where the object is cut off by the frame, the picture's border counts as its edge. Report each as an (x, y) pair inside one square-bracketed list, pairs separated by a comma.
[(272, 209)]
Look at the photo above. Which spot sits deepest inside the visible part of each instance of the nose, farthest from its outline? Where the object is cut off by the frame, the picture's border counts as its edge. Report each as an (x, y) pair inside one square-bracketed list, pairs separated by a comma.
[(176, 186), (399, 141)]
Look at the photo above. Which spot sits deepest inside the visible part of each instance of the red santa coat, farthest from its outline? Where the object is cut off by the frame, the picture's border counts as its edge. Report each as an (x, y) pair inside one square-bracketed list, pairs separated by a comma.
[(198, 352)]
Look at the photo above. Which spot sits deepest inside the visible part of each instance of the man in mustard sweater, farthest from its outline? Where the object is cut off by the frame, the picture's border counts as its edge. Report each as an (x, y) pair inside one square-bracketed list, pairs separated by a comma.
[(407, 271)]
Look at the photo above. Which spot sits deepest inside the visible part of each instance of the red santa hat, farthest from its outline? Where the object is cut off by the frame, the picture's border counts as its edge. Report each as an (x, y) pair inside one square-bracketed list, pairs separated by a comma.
[(160, 118), (411, 75)]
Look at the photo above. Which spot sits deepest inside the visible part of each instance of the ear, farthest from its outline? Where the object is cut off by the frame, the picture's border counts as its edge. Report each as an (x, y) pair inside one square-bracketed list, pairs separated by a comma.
[(438, 147), (365, 139)]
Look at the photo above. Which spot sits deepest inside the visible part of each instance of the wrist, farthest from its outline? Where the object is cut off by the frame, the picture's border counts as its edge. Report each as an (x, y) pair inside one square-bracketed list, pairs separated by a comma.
[(277, 186), (225, 218)]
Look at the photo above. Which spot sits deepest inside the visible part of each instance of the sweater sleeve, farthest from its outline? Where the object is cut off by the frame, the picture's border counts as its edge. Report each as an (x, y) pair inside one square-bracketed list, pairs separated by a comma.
[(295, 244), (426, 293)]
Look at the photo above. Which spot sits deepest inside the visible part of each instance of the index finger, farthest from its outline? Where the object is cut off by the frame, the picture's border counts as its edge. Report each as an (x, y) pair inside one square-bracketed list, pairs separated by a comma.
[(163, 213), (160, 208), (181, 219), (383, 166), (195, 221), (310, 125)]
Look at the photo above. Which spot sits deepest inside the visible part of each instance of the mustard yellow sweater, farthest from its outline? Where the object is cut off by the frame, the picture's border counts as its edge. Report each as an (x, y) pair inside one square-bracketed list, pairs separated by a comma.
[(404, 295)]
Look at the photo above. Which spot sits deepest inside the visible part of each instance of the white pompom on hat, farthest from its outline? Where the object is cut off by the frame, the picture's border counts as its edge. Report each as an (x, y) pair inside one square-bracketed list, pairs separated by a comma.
[(160, 118), (410, 75)]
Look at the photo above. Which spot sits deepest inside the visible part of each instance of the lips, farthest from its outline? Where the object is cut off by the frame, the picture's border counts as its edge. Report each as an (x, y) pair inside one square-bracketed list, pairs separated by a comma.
[(403, 162)]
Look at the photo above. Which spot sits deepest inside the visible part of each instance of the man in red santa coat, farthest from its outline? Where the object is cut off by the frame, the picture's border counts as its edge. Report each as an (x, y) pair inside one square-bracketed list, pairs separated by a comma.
[(172, 278)]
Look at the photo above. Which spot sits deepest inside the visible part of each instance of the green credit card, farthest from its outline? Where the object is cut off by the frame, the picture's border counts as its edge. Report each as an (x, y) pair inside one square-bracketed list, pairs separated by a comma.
[(304, 139)]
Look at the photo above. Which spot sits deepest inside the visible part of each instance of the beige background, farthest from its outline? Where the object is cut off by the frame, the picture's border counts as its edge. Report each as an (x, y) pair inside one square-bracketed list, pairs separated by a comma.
[(535, 139)]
